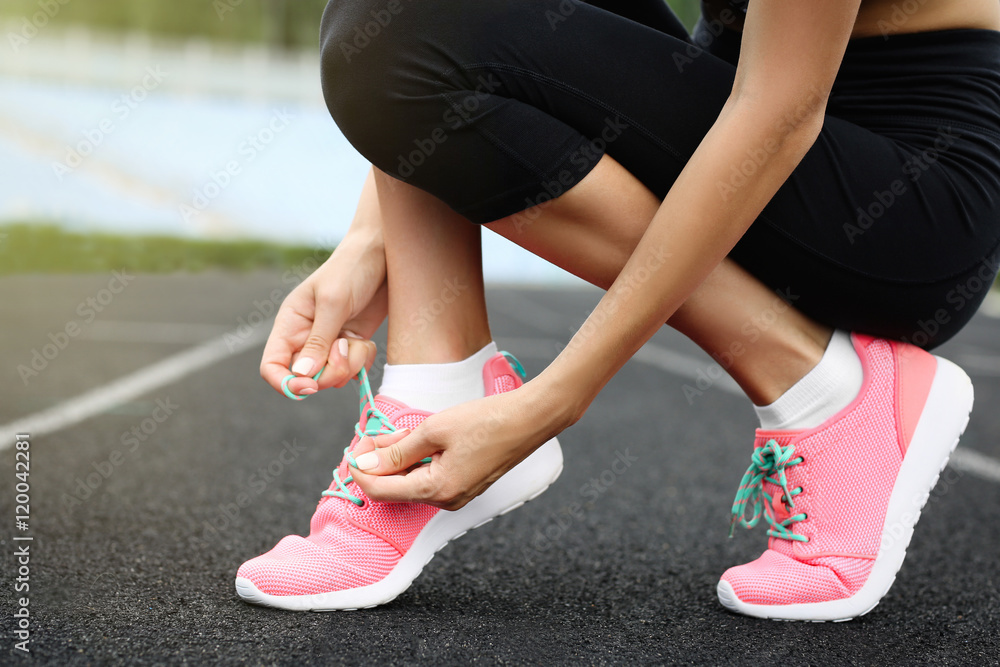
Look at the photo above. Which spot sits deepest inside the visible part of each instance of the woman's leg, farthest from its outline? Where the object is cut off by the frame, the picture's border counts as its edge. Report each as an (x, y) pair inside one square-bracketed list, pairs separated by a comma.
[(500, 108), (764, 343), (437, 309), (433, 253), (496, 107)]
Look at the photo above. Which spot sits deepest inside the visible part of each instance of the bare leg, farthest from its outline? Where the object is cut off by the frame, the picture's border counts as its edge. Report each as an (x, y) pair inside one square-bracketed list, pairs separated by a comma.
[(437, 309), (590, 231)]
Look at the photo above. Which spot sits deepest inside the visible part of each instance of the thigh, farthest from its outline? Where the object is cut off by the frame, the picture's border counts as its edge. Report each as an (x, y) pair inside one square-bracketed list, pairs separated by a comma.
[(495, 106)]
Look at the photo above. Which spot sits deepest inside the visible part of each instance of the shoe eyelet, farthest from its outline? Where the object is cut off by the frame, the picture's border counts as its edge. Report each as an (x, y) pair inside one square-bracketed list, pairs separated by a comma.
[(363, 505)]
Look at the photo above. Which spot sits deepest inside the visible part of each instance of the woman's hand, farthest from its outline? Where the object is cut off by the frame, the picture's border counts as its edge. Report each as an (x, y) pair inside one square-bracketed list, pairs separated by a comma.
[(327, 320), (471, 446)]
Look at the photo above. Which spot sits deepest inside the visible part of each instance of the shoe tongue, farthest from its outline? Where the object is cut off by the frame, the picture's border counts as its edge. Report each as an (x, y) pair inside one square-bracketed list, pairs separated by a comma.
[(389, 407), (392, 409), (374, 423)]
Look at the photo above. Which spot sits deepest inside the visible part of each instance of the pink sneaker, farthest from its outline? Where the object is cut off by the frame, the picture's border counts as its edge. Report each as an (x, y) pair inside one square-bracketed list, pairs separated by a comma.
[(842, 498), (362, 553)]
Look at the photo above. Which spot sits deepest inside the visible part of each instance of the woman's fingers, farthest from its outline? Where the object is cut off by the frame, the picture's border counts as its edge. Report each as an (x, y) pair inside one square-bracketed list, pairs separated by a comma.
[(418, 485), (287, 335), (377, 470), (394, 452), (361, 354), (322, 347)]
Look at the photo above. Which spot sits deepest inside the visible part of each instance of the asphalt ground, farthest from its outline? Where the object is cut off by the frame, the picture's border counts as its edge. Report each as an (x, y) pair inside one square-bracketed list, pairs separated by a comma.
[(137, 531)]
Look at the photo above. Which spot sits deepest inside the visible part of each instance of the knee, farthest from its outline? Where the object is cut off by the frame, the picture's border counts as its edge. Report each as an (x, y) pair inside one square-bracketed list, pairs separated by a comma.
[(369, 50), (352, 60)]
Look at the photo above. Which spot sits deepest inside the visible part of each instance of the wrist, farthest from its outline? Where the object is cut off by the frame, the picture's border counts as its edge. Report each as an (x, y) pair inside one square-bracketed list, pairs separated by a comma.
[(361, 241), (560, 403)]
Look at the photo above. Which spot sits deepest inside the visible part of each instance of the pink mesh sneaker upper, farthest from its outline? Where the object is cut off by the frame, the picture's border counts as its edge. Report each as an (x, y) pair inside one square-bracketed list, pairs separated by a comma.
[(351, 545), (840, 476)]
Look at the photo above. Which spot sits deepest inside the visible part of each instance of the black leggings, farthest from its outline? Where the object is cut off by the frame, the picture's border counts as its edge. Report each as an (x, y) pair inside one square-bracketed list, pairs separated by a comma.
[(890, 225)]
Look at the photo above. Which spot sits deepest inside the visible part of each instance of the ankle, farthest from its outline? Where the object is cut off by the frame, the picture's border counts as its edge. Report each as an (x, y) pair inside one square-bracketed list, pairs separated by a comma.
[(829, 387), (441, 348), (783, 363)]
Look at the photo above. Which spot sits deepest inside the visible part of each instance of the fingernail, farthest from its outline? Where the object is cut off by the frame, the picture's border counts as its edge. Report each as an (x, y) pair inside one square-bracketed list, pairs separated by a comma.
[(308, 391), (368, 461), (351, 334), (303, 366), (342, 346)]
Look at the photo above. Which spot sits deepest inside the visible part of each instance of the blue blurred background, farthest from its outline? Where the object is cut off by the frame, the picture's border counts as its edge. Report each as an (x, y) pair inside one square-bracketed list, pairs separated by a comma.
[(200, 119)]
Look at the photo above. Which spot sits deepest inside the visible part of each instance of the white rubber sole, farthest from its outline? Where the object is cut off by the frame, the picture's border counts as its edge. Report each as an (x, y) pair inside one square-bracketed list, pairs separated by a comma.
[(526, 481), (945, 416)]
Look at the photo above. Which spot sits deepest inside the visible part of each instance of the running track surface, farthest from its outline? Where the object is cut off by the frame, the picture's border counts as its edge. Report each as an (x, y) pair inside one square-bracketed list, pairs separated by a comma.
[(613, 564)]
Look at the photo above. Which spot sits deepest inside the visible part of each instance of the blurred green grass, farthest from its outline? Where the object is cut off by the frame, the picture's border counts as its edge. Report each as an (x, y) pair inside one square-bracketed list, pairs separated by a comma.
[(46, 249), (286, 23)]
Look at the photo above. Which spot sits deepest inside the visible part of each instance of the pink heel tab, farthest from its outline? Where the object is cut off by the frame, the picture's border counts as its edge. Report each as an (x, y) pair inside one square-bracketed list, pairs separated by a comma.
[(915, 370), (498, 367)]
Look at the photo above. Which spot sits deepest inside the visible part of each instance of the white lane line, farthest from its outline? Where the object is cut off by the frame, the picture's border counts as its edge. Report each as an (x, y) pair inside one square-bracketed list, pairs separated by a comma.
[(974, 463), (962, 459), (180, 365), (170, 333), (686, 366), (126, 388)]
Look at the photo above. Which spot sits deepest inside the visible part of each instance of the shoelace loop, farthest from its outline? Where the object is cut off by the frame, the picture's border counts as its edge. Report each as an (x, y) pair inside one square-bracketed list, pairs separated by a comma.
[(768, 463), (375, 423)]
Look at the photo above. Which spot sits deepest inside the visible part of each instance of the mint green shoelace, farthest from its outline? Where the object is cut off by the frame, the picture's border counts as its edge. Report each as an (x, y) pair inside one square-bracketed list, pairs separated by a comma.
[(376, 423), (768, 464)]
